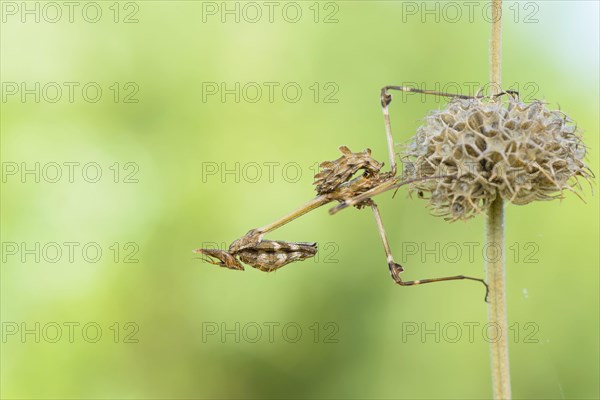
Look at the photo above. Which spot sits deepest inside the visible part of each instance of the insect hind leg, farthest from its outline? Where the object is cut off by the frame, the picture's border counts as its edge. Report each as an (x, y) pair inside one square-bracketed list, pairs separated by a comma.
[(396, 269)]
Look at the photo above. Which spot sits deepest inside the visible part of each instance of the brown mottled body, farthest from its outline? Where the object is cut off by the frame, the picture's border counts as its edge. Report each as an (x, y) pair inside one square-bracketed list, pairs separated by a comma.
[(270, 255), (266, 255), (334, 182)]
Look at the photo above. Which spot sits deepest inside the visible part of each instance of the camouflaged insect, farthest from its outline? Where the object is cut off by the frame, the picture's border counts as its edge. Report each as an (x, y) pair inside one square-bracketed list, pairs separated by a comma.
[(333, 182), (334, 179), (334, 173)]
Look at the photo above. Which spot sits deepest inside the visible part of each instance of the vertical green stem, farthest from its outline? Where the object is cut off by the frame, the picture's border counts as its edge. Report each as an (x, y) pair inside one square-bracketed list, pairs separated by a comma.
[(497, 301), (495, 239), (496, 47)]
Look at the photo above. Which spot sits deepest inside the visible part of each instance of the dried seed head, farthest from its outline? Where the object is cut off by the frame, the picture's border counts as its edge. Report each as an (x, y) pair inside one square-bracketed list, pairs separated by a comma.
[(522, 152)]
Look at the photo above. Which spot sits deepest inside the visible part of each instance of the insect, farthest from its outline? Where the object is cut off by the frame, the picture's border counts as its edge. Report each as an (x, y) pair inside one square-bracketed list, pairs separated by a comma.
[(335, 181)]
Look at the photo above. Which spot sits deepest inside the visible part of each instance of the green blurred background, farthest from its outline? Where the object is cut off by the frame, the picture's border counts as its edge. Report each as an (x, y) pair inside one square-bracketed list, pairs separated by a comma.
[(360, 335)]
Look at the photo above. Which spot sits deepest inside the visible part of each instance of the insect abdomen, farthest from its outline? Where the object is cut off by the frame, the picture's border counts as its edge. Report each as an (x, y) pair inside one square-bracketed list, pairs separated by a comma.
[(270, 255)]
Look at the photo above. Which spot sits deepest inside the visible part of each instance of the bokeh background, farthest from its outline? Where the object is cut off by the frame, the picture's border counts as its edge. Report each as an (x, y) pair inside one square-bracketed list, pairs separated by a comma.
[(333, 327)]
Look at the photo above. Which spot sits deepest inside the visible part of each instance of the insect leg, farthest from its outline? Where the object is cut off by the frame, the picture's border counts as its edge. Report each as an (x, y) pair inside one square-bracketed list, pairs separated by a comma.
[(384, 187), (254, 236), (396, 269), (388, 132), (446, 278), (386, 98), (308, 207)]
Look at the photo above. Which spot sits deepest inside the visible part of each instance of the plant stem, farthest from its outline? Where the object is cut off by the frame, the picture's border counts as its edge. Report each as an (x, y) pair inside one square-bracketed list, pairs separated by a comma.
[(495, 239), (497, 301), (496, 47)]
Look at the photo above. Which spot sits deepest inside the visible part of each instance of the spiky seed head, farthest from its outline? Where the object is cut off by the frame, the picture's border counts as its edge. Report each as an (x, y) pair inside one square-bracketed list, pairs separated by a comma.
[(521, 152)]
